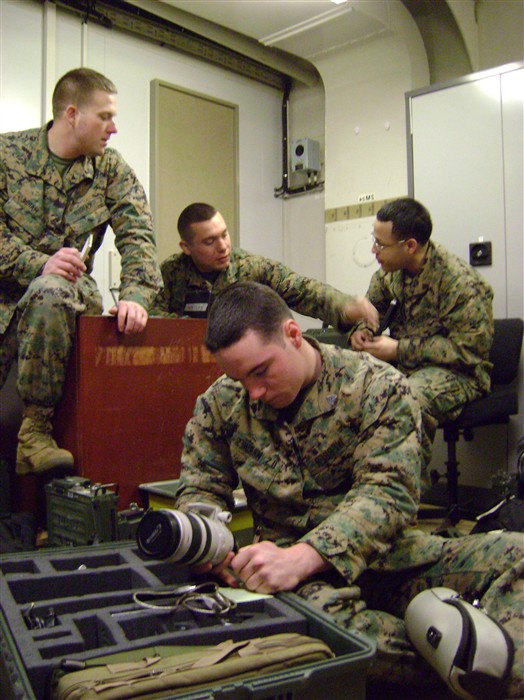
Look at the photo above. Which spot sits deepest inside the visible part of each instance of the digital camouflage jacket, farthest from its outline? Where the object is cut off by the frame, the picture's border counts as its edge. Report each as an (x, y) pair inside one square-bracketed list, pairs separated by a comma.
[(445, 316), (342, 475), (302, 294), (40, 213)]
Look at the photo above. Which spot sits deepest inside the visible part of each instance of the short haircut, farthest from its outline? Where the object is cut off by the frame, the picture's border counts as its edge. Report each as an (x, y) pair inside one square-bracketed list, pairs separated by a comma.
[(77, 86), (410, 219), (241, 307), (193, 214)]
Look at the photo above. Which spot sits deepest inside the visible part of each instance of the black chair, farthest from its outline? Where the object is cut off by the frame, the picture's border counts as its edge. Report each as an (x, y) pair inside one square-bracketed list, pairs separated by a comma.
[(493, 409)]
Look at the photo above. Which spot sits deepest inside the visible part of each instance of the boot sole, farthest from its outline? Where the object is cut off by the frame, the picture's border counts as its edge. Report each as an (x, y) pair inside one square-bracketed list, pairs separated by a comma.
[(25, 467)]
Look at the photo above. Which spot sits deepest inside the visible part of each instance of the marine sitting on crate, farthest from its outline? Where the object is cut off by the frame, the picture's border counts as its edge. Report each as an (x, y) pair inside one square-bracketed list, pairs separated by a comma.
[(326, 443), (60, 188)]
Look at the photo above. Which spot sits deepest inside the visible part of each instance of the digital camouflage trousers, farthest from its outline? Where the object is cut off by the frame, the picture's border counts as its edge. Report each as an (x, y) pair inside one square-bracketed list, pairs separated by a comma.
[(488, 567), (41, 334)]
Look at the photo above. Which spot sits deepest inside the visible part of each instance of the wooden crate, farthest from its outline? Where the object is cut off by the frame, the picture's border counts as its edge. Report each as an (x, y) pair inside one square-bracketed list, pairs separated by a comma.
[(128, 398)]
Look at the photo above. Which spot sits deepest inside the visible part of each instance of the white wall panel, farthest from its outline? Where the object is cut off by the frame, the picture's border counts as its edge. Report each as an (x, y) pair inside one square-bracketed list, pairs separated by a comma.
[(20, 65), (458, 171), (466, 167), (512, 89), (349, 260)]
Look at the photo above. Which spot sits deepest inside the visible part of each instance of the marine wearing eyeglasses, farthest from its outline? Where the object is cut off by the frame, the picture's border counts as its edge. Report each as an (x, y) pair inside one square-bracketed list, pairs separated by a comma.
[(442, 332)]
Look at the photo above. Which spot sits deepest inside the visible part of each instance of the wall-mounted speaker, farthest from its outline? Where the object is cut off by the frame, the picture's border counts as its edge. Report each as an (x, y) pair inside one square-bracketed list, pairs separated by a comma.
[(305, 155)]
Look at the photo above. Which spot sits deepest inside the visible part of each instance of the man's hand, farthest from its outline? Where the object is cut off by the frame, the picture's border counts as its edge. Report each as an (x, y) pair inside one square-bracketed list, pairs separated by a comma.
[(221, 570), (66, 263), (360, 309), (265, 568), (131, 317), (360, 338), (381, 346)]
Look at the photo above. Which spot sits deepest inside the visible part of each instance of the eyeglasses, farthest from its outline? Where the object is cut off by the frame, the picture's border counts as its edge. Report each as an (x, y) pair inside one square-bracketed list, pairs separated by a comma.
[(381, 246)]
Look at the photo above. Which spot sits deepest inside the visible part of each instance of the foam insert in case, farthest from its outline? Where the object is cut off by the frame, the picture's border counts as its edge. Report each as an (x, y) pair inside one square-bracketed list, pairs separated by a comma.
[(81, 600)]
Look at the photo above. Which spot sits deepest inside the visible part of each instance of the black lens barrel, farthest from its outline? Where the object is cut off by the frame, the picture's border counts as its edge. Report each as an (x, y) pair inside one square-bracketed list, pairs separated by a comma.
[(158, 534)]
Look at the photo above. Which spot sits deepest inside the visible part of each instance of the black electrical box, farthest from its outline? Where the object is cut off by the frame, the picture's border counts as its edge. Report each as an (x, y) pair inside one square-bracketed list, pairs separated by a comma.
[(480, 253)]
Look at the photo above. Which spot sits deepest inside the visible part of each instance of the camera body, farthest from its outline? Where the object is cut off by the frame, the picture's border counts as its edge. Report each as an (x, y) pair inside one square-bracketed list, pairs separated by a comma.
[(195, 537)]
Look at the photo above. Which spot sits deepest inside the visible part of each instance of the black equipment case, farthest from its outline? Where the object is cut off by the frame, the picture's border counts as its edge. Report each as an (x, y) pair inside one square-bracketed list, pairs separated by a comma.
[(77, 603)]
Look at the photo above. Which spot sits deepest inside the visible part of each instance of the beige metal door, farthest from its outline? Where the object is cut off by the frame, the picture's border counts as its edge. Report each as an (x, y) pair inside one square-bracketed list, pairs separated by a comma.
[(194, 158)]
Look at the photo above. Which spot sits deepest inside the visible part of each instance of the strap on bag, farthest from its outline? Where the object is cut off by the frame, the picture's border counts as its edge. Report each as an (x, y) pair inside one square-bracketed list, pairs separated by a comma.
[(153, 675)]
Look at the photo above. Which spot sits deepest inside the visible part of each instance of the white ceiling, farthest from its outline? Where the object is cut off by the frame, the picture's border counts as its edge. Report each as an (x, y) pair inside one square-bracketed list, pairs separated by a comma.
[(302, 27)]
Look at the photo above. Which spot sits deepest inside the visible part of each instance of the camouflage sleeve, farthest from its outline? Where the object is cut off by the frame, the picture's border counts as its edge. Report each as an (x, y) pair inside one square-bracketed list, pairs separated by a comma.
[(160, 306), (302, 294), (378, 293), (384, 496), (18, 260), (207, 472), (169, 301), (465, 332), (379, 296), (132, 224)]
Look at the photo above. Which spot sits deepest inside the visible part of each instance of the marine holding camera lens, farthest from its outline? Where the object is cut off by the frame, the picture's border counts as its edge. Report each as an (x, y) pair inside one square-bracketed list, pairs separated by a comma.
[(195, 537)]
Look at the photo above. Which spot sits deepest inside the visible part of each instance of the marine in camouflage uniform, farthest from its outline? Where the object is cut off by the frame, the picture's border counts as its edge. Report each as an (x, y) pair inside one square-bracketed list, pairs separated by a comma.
[(443, 322), (208, 264), (304, 295), (43, 211), (339, 469)]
